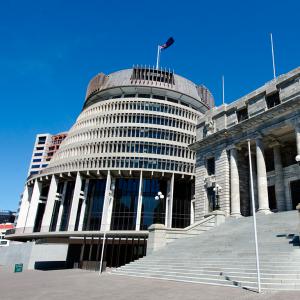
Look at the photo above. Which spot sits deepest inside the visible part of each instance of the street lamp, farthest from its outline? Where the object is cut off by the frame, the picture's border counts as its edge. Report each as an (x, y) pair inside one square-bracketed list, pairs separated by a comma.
[(217, 189), (159, 196)]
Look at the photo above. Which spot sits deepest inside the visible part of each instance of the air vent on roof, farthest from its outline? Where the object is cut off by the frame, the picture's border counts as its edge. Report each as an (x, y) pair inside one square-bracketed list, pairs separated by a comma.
[(152, 74)]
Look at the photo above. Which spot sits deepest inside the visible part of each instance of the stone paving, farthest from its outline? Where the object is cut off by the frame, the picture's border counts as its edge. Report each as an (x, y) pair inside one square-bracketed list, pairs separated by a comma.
[(78, 284)]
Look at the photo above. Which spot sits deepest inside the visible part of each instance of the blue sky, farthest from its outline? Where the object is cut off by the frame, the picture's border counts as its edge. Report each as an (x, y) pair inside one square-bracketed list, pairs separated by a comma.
[(51, 49)]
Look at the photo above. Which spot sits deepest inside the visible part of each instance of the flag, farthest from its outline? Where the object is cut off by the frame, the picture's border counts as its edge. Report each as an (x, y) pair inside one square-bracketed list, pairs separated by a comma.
[(167, 44)]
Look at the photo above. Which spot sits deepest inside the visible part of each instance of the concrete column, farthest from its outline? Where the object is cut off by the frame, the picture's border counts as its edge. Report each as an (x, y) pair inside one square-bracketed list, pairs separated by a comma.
[(297, 131), (262, 185), (140, 202), (108, 203), (279, 179), (61, 206), (169, 202), (234, 184), (83, 206), (75, 202), (298, 209), (49, 204), (192, 212), (23, 208), (157, 238), (33, 206)]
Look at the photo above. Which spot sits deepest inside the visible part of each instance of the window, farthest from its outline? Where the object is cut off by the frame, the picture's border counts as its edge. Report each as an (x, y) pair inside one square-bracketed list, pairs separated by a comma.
[(37, 160), (42, 140), (116, 97), (143, 95), (33, 172), (129, 96), (39, 148), (242, 114), (172, 100), (38, 154), (44, 166), (35, 166), (273, 99), (158, 97), (183, 103), (125, 204), (210, 165)]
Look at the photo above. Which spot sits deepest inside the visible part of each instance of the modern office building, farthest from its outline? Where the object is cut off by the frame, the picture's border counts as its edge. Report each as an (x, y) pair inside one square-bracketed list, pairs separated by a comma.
[(44, 148), (7, 216), (128, 145)]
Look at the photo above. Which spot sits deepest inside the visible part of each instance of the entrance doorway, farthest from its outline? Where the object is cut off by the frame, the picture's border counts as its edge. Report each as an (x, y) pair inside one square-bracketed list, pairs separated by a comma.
[(272, 198), (118, 251), (295, 192), (211, 196)]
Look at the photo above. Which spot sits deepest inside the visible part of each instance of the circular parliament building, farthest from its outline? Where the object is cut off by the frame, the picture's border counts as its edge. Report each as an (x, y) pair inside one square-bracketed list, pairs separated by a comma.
[(124, 165)]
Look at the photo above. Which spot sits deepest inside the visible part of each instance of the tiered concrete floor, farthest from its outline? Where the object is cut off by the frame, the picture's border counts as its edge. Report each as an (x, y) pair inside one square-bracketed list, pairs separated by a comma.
[(77, 284)]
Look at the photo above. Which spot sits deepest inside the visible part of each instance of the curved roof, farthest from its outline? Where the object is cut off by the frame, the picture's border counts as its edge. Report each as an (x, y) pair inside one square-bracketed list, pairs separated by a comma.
[(139, 79)]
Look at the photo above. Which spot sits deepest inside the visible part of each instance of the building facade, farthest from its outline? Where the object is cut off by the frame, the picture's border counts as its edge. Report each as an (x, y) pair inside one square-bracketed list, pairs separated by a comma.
[(149, 147), (44, 148), (128, 146), (269, 118)]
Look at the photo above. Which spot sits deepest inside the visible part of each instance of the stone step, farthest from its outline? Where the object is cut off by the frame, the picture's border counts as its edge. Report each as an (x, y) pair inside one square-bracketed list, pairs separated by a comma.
[(266, 270), (204, 272), (221, 264), (225, 255), (217, 259), (216, 281)]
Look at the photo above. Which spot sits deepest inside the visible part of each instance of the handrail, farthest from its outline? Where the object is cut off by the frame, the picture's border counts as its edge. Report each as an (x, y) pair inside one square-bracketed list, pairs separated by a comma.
[(191, 227)]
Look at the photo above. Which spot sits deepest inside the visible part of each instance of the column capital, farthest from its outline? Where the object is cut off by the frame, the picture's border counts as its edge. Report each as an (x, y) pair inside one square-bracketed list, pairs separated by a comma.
[(233, 147), (274, 144), (258, 137), (294, 122)]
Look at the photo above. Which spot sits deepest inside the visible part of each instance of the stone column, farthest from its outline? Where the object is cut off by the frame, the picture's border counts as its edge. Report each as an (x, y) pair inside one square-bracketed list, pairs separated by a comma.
[(23, 208), (234, 184), (192, 212), (262, 185), (169, 202), (61, 206), (297, 131), (75, 202), (83, 206), (49, 204), (279, 179), (33, 206), (108, 203), (140, 203)]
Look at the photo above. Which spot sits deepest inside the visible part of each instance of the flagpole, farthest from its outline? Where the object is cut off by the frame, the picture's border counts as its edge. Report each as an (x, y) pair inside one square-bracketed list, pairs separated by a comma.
[(223, 90), (157, 57), (254, 218), (273, 58)]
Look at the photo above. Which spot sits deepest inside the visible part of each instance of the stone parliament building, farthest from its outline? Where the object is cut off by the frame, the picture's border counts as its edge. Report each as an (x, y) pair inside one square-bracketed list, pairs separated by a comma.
[(269, 118), (150, 147)]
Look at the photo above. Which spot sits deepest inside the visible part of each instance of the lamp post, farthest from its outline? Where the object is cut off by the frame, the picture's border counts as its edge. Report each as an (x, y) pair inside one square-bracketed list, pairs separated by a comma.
[(159, 196), (217, 189), (110, 198)]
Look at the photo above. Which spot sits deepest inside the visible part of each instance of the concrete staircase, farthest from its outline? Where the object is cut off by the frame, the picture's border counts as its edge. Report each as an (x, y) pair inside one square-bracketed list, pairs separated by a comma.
[(225, 255)]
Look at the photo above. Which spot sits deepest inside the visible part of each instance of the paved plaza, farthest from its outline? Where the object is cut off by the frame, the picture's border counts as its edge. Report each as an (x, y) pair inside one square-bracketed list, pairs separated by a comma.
[(78, 284)]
